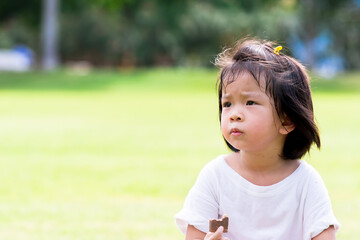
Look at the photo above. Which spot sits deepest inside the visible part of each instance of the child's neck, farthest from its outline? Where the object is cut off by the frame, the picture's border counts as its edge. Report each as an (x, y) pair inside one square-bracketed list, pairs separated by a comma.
[(261, 169), (258, 162)]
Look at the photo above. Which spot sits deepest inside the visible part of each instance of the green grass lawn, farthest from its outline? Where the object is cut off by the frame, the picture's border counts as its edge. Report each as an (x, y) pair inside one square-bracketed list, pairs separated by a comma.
[(112, 155)]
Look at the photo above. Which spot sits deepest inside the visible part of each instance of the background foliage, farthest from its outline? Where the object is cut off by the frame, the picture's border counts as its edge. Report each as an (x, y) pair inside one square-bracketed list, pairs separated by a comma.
[(159, 32)]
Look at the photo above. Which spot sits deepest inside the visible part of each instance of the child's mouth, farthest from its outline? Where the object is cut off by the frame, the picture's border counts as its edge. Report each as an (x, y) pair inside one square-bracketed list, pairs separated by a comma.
[(236, 132)]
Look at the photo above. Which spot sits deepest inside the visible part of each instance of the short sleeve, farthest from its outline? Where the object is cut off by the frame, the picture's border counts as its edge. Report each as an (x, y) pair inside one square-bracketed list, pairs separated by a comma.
[(318, 214), (201, 203)]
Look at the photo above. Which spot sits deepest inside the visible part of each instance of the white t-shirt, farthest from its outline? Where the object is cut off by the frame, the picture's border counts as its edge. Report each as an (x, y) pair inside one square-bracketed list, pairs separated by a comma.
[(296, 208)]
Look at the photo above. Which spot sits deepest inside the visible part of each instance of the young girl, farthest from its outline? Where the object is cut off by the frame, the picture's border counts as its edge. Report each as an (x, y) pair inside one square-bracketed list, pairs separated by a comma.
[(267, 120)]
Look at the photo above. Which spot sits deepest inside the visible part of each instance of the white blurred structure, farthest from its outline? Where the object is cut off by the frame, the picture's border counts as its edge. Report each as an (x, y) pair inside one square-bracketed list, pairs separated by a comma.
[(49, 30), (18, 59)]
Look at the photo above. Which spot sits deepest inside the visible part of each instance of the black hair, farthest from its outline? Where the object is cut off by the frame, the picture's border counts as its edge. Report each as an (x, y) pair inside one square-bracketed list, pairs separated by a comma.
[(286, 82)]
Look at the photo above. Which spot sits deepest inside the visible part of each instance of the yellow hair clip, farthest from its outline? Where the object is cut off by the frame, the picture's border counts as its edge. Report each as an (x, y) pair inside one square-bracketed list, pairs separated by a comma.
[(277, 50)]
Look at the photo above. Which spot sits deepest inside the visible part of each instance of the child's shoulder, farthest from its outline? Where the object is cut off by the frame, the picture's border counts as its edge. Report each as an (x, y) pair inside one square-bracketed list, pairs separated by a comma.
[(313, 175), (214, 167), (215, 164), (309, 169), (309, 177)]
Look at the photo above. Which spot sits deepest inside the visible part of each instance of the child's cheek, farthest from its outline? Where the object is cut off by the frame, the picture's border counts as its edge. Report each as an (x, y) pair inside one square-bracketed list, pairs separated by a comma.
[(224, 126)]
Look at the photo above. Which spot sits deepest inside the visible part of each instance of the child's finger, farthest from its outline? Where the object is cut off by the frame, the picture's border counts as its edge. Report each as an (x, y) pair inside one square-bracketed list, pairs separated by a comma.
[(218, 233)]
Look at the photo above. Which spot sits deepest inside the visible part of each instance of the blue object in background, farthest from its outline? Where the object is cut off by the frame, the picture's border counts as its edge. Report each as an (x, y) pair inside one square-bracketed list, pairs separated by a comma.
[(18, 59), (24, 50), (323, 61)]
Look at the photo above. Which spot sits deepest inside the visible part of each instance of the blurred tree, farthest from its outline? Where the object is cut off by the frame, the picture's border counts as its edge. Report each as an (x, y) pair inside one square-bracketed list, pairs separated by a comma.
[(154, 27), (28, 10), (50, 34), (345, 24)]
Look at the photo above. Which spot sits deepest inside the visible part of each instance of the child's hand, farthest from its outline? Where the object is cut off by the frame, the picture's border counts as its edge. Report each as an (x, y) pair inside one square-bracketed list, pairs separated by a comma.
[(216, 235)]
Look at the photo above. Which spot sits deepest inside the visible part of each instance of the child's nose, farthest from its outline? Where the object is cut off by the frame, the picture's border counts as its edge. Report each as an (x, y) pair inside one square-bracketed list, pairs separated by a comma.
[(236, 115)]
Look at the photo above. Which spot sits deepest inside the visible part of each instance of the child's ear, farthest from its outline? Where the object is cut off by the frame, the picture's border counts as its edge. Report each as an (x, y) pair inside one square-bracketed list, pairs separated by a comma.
[(286, 126)]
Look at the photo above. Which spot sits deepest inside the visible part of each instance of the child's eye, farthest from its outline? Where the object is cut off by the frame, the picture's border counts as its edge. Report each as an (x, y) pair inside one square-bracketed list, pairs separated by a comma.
[(250, 103), (226, 104)]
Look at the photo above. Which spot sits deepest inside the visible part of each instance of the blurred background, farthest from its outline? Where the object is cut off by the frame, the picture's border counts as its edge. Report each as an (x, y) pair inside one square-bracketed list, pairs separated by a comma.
[(129, 33), (108, 108)]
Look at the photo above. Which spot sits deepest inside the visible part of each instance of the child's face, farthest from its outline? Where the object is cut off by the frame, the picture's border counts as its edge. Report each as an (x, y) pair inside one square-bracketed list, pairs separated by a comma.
[(248, 120)]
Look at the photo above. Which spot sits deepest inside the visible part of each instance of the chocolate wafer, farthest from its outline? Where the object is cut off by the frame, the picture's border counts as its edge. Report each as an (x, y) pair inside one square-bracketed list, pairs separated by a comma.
[(214, 224)]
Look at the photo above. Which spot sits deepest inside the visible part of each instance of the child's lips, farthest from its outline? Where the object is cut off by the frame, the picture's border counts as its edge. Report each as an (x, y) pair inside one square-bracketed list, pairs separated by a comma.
[(235, 132)]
